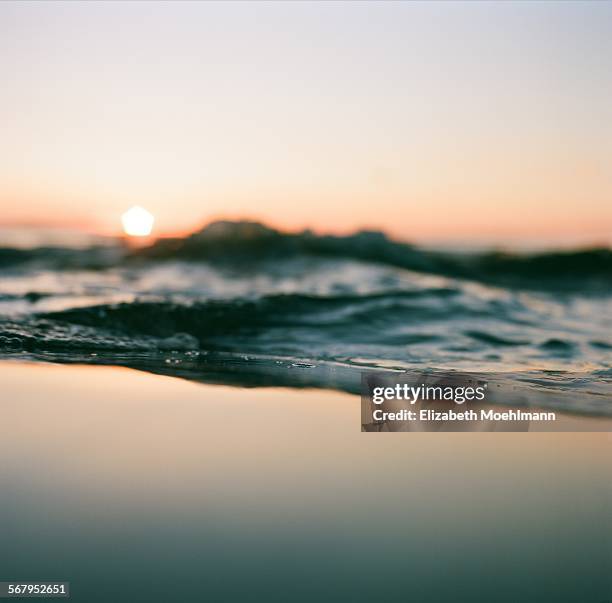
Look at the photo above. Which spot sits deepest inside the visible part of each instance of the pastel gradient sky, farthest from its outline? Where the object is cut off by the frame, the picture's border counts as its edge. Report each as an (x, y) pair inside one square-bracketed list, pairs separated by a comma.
[(432, 121)]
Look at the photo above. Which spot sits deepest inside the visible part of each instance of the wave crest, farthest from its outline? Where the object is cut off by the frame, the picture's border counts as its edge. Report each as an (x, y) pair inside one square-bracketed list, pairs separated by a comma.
[(248, 242)]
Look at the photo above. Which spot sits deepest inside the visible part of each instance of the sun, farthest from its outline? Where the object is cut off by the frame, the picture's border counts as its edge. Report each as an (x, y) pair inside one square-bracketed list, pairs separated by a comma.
[(137, 222)]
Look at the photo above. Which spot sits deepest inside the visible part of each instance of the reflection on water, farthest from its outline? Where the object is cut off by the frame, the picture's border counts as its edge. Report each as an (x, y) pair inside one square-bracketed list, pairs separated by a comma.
[(137, 487)]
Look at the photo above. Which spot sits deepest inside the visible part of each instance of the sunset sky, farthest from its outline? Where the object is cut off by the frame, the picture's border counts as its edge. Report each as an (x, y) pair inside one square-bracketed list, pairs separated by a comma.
[(432, 121)]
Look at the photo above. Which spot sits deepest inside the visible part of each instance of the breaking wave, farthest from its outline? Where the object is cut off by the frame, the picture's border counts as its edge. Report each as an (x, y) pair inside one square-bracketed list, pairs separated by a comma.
[(245, 243), (249, 305)]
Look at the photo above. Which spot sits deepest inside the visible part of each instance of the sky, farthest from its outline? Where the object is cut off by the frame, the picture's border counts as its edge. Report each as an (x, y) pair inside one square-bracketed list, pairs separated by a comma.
[(431, 121)]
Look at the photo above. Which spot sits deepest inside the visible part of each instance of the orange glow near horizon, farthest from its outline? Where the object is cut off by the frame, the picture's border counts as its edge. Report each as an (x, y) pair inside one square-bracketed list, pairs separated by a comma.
[(567, 232), (431, 122)]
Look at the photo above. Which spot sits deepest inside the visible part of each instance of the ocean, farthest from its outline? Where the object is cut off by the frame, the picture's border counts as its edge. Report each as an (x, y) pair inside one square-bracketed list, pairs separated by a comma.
[(240, 303), (230, 465)]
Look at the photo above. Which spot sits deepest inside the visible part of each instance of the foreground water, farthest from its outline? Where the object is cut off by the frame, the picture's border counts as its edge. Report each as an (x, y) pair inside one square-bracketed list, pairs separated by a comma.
[(136, 487), (239, 303)]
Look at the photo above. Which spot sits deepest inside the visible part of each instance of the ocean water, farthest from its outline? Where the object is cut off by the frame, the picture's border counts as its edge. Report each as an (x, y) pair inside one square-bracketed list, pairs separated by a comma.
[(244, 304)]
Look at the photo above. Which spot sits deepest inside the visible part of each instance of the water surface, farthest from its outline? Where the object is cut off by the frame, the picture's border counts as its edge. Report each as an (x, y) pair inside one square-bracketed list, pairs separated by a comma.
[(242, 303)]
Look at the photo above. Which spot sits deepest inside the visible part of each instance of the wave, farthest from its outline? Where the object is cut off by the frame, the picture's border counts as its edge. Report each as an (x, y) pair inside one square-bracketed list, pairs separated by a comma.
[(353, 319), (300, 340), (248, 305), (254, 246), (247, 242), (428, 324)]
